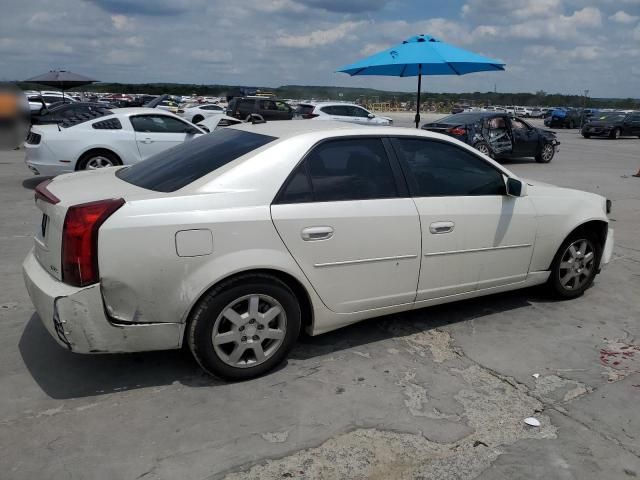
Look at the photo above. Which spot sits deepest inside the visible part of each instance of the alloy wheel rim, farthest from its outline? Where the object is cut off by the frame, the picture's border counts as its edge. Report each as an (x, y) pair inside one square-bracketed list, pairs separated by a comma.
[(99, 162), (577, 264), (546, 152), (483, 149), (249, 330)]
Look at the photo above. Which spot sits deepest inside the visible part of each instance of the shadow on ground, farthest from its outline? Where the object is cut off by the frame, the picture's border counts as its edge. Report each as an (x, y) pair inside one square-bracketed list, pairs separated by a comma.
[(62, 374)]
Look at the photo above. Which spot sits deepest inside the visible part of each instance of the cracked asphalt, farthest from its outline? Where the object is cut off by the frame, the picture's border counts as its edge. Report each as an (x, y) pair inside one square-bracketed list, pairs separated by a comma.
[(438, 393)]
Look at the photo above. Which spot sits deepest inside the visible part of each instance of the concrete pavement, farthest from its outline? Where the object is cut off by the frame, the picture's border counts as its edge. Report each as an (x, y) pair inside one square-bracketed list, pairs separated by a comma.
[(436, 393)]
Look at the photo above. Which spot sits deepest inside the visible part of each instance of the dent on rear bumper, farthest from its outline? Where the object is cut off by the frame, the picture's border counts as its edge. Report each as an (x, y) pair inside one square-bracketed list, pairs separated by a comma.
[(76, 319)]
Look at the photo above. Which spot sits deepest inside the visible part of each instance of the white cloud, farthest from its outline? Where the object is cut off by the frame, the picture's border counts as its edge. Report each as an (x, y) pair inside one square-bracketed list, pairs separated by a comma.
[(318, 37), (623, 17), (122, 22), (211, 56)]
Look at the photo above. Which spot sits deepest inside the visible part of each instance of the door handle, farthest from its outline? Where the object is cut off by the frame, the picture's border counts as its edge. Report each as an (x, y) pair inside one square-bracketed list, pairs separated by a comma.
[(147, 140), (311, 234), (441, 227)]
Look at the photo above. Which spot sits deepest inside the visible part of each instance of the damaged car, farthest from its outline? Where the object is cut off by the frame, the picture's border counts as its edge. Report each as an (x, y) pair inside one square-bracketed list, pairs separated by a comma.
[(499, 136)]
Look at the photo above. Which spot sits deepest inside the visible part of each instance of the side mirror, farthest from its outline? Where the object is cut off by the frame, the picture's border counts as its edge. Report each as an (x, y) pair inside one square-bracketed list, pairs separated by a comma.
[(371, 115), (515, 188), (191, 131)]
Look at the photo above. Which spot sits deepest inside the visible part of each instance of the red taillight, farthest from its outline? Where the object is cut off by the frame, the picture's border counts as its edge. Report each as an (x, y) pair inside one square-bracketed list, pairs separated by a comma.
[(458, 131), (41, 193), (80, 240)]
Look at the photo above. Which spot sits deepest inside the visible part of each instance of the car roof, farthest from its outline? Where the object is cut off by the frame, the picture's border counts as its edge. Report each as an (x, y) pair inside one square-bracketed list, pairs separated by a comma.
[(292, 128), (328, 104)]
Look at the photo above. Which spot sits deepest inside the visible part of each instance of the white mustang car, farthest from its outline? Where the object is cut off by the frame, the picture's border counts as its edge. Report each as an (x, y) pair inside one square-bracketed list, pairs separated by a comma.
[(197, 113), (122, 136), (235, 241)]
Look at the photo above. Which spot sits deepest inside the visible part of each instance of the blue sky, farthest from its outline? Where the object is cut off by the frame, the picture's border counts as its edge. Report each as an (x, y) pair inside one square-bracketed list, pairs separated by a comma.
[(563, 46)]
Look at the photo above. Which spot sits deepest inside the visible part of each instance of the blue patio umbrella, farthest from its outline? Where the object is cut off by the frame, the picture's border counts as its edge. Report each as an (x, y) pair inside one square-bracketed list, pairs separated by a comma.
[(422, 55)]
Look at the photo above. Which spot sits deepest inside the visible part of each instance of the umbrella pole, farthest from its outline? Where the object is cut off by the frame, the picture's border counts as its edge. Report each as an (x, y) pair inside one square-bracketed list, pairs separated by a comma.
[(419, 88)]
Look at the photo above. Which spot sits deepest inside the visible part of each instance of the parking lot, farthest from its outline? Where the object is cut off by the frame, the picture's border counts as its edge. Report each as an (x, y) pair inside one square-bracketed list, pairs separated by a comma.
[(436, 393)]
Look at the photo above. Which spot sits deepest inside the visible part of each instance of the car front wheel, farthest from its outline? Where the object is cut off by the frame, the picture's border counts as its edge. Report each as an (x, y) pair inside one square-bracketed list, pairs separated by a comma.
[(546, 154), (244, 327), (615, 133), (575, 266)]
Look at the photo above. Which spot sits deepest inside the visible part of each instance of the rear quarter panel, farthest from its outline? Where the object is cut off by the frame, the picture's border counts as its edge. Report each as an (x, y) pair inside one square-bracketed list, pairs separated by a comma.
[(143, 278)]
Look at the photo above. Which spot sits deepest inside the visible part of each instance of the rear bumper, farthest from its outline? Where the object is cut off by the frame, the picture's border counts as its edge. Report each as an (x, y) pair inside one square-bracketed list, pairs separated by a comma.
[(40, 160), (76, 319)]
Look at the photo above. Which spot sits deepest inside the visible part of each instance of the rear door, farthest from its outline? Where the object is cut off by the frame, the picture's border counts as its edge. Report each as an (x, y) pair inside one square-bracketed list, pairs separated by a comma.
[(346, 218), (473, 235), (155, 133)]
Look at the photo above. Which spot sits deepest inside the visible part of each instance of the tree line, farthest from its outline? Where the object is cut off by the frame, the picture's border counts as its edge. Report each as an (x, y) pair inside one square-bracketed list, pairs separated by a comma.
[(365, 95)]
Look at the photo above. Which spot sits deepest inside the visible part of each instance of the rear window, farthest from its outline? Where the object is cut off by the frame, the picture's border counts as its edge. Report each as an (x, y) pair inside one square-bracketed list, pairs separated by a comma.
[(177, 167)]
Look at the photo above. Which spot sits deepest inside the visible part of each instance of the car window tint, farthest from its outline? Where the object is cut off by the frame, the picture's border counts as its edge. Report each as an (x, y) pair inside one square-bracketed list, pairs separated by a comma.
[(442, 169), (359, 112), (297, 189), (177, 167), (350, 169), (330, 110), (158, 124)]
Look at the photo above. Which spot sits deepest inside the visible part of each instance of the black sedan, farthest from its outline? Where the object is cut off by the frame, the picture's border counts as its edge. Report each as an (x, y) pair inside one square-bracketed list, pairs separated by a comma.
[(498, 135), (59, 113), (613, 125)]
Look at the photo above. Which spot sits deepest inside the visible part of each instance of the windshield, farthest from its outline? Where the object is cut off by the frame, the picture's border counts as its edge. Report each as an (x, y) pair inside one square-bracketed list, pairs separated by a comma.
[(177, 167)]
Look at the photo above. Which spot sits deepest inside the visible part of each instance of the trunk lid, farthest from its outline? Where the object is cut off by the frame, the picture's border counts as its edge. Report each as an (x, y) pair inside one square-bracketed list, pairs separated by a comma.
[(74, 189)]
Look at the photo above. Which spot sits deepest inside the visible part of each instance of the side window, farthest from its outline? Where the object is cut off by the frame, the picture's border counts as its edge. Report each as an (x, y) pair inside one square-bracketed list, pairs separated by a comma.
[(359, 112), (517, 124), (341, 110), (350, 169), (441, 169), (158, 124), (330, 110), (298, 187)]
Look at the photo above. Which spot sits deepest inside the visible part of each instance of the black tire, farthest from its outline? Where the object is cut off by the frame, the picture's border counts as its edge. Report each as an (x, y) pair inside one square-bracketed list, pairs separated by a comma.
[(483, 147), (98, 156), (558, 269), (197, 119), (209, 310), (546, 154), (615, 134), (586, 135)]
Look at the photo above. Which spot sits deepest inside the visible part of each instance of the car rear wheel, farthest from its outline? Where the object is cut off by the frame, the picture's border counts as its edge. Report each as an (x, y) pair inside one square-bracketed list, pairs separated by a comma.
[(483, 147), (586, 135), (197, 119), (615, 134), (575, 265), (546, 154), (98, 159), (244, 327)]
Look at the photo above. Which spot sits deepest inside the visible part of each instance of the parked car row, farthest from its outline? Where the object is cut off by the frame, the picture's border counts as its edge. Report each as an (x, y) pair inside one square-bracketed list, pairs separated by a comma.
[(613, 125)]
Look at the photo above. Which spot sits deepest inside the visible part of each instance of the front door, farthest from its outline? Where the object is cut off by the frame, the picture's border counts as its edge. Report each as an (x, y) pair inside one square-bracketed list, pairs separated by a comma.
[(156, 133), (473, 236), (342, 217), (525, 138)]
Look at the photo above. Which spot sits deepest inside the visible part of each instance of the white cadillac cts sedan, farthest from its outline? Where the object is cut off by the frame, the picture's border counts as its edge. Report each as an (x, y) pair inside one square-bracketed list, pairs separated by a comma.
[(235, 241)]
